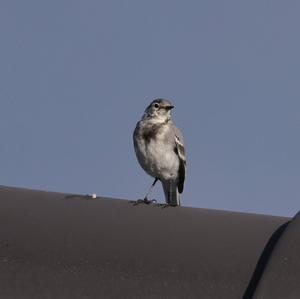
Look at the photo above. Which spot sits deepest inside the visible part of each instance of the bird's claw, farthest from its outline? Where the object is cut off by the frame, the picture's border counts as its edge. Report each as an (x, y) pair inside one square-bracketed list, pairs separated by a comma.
[(164, 205), (144, 201)]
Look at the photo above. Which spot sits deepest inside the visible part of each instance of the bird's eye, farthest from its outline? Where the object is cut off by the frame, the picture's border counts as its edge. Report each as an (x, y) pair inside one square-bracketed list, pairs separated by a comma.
[(156, 105)]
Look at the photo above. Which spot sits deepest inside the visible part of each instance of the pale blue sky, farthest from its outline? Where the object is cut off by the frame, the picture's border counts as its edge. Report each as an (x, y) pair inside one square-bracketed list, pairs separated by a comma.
[(75, 77)]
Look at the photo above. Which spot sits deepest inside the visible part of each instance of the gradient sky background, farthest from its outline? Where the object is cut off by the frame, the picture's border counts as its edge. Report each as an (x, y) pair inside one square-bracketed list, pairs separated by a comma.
[(75, 77)]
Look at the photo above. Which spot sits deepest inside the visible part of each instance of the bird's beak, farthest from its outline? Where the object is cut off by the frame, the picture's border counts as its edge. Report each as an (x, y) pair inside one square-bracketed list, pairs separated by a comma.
[(169, 107)]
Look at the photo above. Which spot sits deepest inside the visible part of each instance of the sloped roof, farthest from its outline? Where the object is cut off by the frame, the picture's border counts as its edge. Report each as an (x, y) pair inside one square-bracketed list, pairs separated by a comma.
[(281, 278), (55, 245)]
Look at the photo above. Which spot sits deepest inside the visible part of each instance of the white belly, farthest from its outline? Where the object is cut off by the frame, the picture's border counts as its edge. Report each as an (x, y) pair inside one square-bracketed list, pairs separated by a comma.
[(157, 159)]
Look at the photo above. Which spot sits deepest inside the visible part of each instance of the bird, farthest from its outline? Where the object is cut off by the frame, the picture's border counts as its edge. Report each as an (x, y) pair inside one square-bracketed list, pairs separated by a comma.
[(159, 149)]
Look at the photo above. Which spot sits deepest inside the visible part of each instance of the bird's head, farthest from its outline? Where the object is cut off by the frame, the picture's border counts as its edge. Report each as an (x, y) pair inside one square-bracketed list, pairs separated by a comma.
[(159, 109)]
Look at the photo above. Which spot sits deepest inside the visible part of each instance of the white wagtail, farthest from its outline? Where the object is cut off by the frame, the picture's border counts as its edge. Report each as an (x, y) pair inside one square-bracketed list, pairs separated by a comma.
[(158, 145)]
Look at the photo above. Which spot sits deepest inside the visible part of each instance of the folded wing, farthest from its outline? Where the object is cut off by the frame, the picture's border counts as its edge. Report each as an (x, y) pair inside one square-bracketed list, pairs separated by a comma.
[(179, 150)]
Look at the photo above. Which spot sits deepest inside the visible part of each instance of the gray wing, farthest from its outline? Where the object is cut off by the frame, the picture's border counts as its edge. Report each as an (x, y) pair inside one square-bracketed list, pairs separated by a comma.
[(180, 152)]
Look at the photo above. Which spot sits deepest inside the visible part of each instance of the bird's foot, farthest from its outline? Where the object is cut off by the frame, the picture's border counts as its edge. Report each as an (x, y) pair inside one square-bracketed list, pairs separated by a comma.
[(164, 205), (144, 201)]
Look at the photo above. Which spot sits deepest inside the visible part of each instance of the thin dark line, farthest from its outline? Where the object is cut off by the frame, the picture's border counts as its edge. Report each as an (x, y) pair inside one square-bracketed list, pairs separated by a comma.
[(263, 261)]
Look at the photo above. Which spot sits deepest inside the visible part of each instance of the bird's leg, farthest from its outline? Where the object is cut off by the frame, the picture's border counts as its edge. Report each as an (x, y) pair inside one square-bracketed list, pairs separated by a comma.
[(146, 200)]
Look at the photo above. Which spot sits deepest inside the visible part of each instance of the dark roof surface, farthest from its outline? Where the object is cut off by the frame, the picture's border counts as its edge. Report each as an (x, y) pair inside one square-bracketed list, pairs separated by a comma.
[(55, 245), (281, 279)]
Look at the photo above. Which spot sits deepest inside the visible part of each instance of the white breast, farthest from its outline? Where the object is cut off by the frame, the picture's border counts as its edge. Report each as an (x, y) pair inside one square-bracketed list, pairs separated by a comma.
[(157, 157)]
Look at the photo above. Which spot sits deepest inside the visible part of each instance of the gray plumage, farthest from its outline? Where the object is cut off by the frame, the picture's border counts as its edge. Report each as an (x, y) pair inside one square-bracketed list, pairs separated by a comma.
[(159, 148)]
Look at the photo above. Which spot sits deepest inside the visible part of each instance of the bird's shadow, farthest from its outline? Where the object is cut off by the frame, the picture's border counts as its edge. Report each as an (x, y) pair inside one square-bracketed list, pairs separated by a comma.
[(152, 203)]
